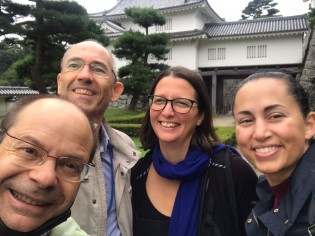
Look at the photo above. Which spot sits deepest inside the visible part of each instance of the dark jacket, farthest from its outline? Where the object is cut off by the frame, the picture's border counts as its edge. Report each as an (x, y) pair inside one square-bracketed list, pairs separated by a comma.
[(295, 211), (218, 200)]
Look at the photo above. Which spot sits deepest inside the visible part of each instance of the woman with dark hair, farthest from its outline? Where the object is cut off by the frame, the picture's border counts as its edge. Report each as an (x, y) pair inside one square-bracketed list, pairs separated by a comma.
[(188, 183), (274, 129)]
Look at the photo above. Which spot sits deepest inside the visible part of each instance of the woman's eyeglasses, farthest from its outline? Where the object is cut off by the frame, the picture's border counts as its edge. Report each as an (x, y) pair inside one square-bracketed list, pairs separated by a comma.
[(179, 105)]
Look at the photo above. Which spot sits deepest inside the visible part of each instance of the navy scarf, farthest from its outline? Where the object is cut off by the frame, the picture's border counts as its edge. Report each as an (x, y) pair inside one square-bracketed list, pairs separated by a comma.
[(184, 219)]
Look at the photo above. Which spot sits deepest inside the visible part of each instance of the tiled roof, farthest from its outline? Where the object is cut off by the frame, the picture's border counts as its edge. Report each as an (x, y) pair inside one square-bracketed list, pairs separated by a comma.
[(156, 4), (11, 91), (271, 25), (174, 35), (190, 33), (114, 25), (266, 25)]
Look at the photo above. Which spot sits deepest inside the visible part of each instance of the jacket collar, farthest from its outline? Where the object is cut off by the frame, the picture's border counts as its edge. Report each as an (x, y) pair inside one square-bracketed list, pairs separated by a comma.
[(125, 149), (301, 187)]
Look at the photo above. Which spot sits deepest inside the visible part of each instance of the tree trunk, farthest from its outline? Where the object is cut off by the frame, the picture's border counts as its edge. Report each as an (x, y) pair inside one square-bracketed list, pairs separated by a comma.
[(37, 70), (133, 102)]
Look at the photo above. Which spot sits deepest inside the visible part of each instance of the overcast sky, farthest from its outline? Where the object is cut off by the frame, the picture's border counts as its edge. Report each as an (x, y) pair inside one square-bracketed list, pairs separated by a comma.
[(229, 9)]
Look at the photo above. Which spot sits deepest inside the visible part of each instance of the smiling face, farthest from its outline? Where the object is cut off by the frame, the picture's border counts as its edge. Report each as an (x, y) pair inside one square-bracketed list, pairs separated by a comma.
[(171, 127), (31, 196), (270, 128), (92, 94)]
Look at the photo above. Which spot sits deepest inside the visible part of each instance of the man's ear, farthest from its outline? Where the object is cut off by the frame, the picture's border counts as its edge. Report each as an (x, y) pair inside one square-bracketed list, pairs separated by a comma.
[(58, 83), (310, 126), (118, 89)]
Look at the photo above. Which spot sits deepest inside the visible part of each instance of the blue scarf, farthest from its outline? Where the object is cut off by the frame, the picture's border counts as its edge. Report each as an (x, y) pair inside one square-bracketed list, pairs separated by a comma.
[(184, 219)]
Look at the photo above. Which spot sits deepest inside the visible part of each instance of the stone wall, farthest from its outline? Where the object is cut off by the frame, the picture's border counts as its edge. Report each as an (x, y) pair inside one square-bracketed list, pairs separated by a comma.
[(124, 101), (229, 86), (307, 79)]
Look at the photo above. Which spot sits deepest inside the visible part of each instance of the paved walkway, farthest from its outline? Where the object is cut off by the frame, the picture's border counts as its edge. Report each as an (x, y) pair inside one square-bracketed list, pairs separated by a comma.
[(226, 120)]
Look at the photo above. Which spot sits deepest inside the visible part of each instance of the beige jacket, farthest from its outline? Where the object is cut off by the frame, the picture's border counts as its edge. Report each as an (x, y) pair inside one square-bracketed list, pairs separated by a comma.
[(89, 208), (67, 228)]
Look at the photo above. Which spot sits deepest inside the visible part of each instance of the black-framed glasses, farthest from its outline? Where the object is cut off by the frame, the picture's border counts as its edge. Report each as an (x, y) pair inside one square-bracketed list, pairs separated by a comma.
[(28, 155), (179, 105), (98, 69)]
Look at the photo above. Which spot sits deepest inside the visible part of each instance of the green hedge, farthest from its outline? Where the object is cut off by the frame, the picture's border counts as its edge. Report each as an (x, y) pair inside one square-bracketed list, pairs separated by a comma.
[(135, 119), (132, 130)]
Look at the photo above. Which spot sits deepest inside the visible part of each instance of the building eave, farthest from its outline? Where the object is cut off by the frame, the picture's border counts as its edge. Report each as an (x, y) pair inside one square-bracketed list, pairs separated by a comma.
[(262, 35)]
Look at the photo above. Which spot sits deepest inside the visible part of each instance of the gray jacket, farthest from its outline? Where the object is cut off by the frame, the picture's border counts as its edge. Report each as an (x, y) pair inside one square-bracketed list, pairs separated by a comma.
[(89, 208)]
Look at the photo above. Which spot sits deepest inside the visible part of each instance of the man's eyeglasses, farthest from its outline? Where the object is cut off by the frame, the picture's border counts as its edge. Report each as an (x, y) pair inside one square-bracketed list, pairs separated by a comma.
[(179, 105), (29, 155), (98, 69)]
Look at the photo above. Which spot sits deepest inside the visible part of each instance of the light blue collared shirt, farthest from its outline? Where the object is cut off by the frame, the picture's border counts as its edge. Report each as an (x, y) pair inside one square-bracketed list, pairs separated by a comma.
[(106, 153)]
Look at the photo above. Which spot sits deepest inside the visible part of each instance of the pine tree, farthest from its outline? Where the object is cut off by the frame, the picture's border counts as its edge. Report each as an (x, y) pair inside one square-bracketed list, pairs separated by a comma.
[(137, 47), (48, 29), (259, 8)]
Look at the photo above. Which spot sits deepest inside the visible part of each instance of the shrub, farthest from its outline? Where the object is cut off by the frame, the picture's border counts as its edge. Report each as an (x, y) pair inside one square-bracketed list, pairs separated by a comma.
[(133, 130)]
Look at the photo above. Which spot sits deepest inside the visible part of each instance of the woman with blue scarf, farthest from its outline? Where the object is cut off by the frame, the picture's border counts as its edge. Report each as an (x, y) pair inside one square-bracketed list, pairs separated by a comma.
[(188, 183)]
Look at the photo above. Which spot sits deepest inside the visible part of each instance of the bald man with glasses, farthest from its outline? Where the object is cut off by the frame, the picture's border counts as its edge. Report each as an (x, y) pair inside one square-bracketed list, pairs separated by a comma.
[(44, 156)]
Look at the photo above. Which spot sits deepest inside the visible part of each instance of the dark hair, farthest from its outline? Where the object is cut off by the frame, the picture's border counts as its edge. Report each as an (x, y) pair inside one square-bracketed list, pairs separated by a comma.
[(204, 136), (12, 115), (294, 88)]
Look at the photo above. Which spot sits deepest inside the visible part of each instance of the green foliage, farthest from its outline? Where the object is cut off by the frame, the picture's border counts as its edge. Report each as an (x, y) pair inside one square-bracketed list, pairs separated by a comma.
[(134, 119), (9, 11), (136, 47), (7, 77), (145, 17), (10, 51), (117, 113), (311, 17), (130, 46), (257, 8), (226, 135), (136, 77), (156, 45), (23, 68), (140, 46)]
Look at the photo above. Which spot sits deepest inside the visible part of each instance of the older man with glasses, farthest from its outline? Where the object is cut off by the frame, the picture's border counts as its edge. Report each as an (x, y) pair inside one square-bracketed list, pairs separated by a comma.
[(88, 79), (44, 156)]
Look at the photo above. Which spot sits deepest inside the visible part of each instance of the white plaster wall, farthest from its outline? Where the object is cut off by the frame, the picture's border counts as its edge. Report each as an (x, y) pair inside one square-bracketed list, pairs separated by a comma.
[(193, 55), (184, 53), (280, 50), (6, 105), (184, 21), (181, 21)]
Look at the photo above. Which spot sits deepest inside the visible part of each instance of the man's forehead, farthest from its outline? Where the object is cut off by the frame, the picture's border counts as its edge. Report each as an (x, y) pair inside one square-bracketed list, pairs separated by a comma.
[(89, 48), (52, 114), (45, 107), (88, 55)]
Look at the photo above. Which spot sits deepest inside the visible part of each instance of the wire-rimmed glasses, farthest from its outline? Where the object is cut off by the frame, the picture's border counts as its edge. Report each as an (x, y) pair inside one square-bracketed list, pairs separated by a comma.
[(179, 105), (98, 69), (28, 155)]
